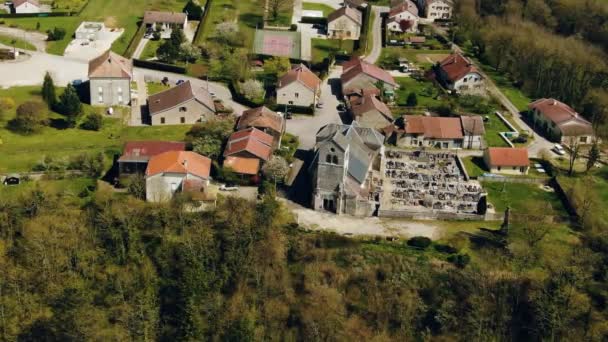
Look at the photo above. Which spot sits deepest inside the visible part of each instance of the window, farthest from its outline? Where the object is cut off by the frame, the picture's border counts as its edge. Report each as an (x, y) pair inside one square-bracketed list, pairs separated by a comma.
[(119, 90), (100, 98), (183, 109), (328, 158), (334, 160), (182, 120), (522, 169), (297, 95), (583, 139), (120, 99), (498, 168), (162, 120), (290, 102), (514, 167), (100, 89)]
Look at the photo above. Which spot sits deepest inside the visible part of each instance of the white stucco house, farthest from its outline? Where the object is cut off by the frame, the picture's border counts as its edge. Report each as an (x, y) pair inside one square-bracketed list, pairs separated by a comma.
[(438, 9), (110, 80), (403, 18), (176, 171), (344, 23), (458, 74), (299, 87), (25, 6)]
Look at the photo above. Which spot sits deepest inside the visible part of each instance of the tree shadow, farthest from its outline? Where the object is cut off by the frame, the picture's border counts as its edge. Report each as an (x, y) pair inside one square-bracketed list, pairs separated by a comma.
[(487, 238), (299, 191), (59, 124), (252, 20), (478, 161), (336, 87)]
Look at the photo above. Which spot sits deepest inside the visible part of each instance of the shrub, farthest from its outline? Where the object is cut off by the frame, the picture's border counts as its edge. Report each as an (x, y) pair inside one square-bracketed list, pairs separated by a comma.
[(252, 89), (459, 260), (421, 242), (31, 117), (412, 100), (195, 12), (445, 249), (56, 33), (92, 122), (293, 27)]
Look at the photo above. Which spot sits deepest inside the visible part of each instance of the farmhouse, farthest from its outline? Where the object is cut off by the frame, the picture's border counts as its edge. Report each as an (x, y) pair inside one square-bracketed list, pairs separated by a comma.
[(507, 160), (403, 18), (438, 9), (359, 74), (165, 21), (247, 150), (369, 111), (181, 105), (299, 87), (110, 80), (176, 171), (560, 122), (344, 23), (346, 163), (25, 6), (137, 154), (458, 74), (437, 132), (264, 120)]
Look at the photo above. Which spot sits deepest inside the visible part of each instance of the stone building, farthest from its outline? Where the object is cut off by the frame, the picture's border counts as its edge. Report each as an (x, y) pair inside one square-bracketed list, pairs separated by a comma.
[(344, 23), (438, 9), (299, 87), (346, 157), (181, 105), (560, 122), (110, 80)]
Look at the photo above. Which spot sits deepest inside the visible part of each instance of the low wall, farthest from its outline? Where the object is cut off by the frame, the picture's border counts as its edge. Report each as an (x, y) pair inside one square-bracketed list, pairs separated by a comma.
[(507, 179), (430, 215), (513, 131)]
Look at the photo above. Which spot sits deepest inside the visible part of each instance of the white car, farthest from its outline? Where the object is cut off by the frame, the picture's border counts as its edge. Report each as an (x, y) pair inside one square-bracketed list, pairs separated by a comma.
[(558, 149), (225, 187)]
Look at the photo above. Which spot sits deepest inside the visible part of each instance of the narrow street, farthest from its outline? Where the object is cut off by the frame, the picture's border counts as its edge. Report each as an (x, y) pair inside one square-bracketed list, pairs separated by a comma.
[(376, 31), (35, 38)]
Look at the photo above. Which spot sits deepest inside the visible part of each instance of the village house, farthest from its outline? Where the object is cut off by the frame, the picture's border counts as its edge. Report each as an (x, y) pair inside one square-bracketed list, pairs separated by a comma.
[(110, 80), (176, 171), (560, 122), (438, 9), (458, 74), (507, 160), (247, 150), (165, 22), (403, 18), (25, 6), (299, 87), (359, 74), (437, 132), (345, 159), (344, 23), (181, 105), (355, 3), (265, 120), (369, 111), (137, 154)]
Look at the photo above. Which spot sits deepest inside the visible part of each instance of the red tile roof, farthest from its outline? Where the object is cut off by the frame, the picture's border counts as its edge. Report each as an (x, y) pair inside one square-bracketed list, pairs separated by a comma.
[(177, 95), (370, 102), (357, 66), (246, 166), (508, 156), (433, 127), (144, 150), (181, 162), (250, 140), (261, 117), (566, 118), (456, 66), (110, 65), (303, 75)]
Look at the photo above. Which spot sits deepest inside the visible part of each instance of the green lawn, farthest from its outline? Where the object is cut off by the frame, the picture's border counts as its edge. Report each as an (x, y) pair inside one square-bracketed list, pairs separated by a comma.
[(416, 56), (48, 23), (18, 43), (21, 153), (427, 94), (475, 166), (597, 183), (150, 49), (155, 88), (283, 19), (307, 6), (493, 126), (522, 198), (514, 94), (322, 48), (248, 15), (67, 5)]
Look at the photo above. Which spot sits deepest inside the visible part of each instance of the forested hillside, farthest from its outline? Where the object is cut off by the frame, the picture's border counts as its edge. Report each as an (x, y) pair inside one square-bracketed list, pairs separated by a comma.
[(100, 266), (550, 48)]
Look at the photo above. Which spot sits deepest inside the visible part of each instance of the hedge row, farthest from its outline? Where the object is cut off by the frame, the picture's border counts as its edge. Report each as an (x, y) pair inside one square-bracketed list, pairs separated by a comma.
[(159, 66)]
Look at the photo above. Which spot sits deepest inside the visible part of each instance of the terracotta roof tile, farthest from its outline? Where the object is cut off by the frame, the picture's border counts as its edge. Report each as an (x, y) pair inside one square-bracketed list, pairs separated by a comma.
[(303, 75), (261, 117), (110, 65), (407, 5), (357, 66), (177, 95), (179, 162), (144, 150), (456, 66), (508, 156), (434, 127), (566, 118), (251, 140), (246, 166)]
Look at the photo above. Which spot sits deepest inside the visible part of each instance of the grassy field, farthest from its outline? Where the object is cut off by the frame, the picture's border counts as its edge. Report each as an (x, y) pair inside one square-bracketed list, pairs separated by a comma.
[(514, 94), (322, 48), (597, 183), (475, 166), (522, 198), (115, 13), (150, 49), (66, 5), (155, 88), (308, 6), (493, 126), (416, 56), (426, 92), (21, 153), (248, 15), (18, 43)]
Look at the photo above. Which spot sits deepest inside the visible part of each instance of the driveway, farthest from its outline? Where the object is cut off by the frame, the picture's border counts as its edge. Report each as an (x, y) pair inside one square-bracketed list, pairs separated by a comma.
[(140, 47), (35, 38), (87, 50), (31, 71), (297, 12), (305, 127), (376, 50)]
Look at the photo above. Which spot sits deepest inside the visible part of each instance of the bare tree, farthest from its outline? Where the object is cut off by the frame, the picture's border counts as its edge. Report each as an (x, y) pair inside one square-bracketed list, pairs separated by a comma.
[(274, 7), (574, 146)]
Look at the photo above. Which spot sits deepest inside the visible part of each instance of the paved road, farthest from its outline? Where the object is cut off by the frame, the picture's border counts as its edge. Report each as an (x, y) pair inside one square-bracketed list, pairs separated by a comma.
[(297, 12), (305, 127), (31, 71), (140, 47), (376, 50), (35, 38)]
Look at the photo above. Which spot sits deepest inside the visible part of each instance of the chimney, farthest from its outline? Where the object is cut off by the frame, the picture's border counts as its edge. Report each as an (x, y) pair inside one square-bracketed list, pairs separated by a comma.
[(554, 102)]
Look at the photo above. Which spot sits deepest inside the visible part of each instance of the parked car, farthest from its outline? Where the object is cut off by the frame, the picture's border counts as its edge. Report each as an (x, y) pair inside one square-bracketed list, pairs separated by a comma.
[(228, 187), (179, 82), (212, 94), (288, 116), (558, 149)]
